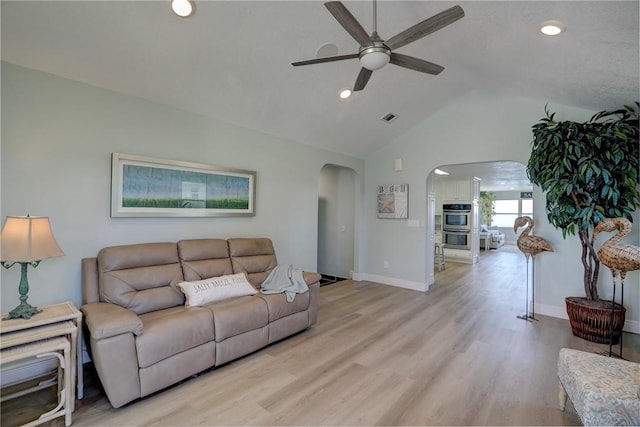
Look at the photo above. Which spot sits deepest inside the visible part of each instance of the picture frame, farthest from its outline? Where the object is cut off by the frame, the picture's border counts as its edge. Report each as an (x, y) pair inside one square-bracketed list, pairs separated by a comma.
[(151, 187), (393, 201)]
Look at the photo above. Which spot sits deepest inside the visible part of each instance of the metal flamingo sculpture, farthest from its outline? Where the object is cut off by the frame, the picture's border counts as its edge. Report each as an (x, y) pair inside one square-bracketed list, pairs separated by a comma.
[(619, 257), (530, 246)]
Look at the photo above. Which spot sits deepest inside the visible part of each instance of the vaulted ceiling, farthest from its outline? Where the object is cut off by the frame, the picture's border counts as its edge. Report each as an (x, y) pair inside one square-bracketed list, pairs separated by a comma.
[(231, 60)]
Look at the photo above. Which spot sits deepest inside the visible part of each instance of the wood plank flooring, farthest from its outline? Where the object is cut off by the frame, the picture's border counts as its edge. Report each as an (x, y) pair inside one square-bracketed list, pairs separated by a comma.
[(379, 355)]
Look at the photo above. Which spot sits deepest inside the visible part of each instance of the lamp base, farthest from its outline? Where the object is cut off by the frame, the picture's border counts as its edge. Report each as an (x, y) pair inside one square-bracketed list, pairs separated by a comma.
[(23, 310)]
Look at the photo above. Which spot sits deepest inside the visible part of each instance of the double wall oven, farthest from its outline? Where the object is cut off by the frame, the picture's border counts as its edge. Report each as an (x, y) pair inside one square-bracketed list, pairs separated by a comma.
[(456, 225)]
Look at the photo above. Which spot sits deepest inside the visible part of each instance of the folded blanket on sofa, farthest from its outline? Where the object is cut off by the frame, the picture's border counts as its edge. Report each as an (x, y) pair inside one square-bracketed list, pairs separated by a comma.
[(285, 278)]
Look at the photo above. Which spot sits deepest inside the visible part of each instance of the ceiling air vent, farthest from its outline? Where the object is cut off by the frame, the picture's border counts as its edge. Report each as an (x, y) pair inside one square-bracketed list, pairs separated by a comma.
[(389, 117)]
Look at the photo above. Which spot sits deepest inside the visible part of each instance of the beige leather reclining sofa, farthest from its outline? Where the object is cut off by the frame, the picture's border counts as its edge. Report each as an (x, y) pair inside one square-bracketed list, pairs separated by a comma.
[(143, 338)]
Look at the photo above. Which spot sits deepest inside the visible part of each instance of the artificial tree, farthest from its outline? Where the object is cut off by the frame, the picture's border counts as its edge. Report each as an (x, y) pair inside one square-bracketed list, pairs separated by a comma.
[(487, 208), (588, 171)]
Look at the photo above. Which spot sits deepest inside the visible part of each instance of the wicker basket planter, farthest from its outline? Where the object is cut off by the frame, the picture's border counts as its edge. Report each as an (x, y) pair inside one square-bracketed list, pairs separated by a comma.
[(591, 320)]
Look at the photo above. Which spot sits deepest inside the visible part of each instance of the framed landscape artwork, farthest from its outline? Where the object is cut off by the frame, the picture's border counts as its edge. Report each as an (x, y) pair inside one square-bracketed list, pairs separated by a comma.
[(149, 187), (393, 201)]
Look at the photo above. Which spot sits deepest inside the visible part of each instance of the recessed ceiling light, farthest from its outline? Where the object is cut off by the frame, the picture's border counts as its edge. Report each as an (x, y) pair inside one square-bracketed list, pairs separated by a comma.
[(441, 172), (182, 7), (551, 28), (345, 93)]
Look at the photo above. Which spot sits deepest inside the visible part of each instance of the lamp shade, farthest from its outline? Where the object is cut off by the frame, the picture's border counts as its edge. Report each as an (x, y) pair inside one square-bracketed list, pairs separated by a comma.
[(28, 239)]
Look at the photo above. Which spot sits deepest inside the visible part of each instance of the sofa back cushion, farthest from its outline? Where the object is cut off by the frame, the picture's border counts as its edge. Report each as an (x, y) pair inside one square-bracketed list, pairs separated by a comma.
[(254, 257), (141, 277), (204, 258)]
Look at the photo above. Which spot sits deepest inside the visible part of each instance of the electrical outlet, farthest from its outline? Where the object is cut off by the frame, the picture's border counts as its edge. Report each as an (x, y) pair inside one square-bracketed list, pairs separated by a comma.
[(385, 264)]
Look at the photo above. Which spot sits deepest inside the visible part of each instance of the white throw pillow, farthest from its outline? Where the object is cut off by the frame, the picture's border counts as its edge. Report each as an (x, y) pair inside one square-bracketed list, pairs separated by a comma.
[(201, 292)]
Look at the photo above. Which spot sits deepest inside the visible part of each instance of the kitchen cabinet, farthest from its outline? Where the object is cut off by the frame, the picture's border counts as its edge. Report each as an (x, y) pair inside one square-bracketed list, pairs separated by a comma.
[(457, 191)]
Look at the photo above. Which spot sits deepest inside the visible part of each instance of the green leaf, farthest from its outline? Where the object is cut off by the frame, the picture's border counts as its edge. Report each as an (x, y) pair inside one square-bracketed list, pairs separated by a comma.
[(588, 174), (587, 171)]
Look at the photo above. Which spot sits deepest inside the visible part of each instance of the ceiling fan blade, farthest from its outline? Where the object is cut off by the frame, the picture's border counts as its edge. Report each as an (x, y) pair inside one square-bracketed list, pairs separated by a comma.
[(425, 27), (362, 79), (416, 64), (348, 22), (325, 59)]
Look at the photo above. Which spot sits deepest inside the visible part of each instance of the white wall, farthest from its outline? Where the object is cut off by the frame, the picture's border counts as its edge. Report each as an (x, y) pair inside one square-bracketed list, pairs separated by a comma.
[(481, 126), (58, 135), (57, 140)]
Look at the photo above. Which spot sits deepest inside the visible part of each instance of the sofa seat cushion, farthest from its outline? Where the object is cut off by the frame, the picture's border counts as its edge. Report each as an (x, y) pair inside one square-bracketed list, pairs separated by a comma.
[(279, 306), (171, 331), (235, 316)]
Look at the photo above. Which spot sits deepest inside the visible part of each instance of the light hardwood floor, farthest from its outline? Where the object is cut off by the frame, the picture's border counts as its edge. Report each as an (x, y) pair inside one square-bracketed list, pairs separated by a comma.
[(379, 355)]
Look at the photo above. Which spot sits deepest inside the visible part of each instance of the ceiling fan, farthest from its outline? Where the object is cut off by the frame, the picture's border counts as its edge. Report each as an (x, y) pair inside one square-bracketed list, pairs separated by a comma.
[(375, 53)]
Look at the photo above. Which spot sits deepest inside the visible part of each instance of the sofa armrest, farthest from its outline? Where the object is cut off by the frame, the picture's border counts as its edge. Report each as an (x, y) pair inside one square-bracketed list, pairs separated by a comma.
[(90, 280), (106, 320), (311, 277)]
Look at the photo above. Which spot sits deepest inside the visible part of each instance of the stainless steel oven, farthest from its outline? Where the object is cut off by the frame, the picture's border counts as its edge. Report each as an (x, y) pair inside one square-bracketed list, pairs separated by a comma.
[(456, 239), (456, 217)]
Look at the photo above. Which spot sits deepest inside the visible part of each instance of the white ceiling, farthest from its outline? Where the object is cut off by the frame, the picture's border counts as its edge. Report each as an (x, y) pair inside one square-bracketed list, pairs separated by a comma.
[(494, 176), (231, 60)]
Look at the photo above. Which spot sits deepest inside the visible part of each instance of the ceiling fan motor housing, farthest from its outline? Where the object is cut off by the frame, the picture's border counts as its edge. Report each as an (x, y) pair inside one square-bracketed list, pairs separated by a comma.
[(375, 57)]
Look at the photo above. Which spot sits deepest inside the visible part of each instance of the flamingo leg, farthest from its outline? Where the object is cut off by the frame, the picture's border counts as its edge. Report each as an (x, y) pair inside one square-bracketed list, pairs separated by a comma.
[(533, 288), (622, 276), (613, 307), (525, 316)]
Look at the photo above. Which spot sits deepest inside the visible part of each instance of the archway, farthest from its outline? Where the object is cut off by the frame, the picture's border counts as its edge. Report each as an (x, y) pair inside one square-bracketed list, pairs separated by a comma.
[(337, 198), (508, 179)]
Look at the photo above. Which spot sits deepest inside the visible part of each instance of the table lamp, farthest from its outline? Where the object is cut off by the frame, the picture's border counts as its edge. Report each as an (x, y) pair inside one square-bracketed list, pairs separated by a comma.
[(26, 240)]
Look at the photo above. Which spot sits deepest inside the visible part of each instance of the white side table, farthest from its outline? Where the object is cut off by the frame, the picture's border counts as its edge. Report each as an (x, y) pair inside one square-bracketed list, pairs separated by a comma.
[(51, 315), (27, 344), (486, 237)]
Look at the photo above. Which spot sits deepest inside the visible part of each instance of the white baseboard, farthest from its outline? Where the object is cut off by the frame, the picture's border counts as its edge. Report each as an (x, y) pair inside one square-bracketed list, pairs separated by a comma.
[(25, 370), (391, 281), (632, 326)]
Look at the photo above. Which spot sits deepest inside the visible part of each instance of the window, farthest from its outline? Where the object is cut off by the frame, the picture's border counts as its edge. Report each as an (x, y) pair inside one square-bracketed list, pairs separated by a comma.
[(506, 211)]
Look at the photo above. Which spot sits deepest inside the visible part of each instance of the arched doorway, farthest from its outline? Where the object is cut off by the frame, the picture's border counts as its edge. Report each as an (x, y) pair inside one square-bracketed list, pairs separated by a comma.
[(337, 197), (506, 179)]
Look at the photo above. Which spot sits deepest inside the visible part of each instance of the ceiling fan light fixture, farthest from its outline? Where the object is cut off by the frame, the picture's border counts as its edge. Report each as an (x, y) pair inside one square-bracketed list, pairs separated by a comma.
[(551, 28), (375, 57), (182, 8)]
